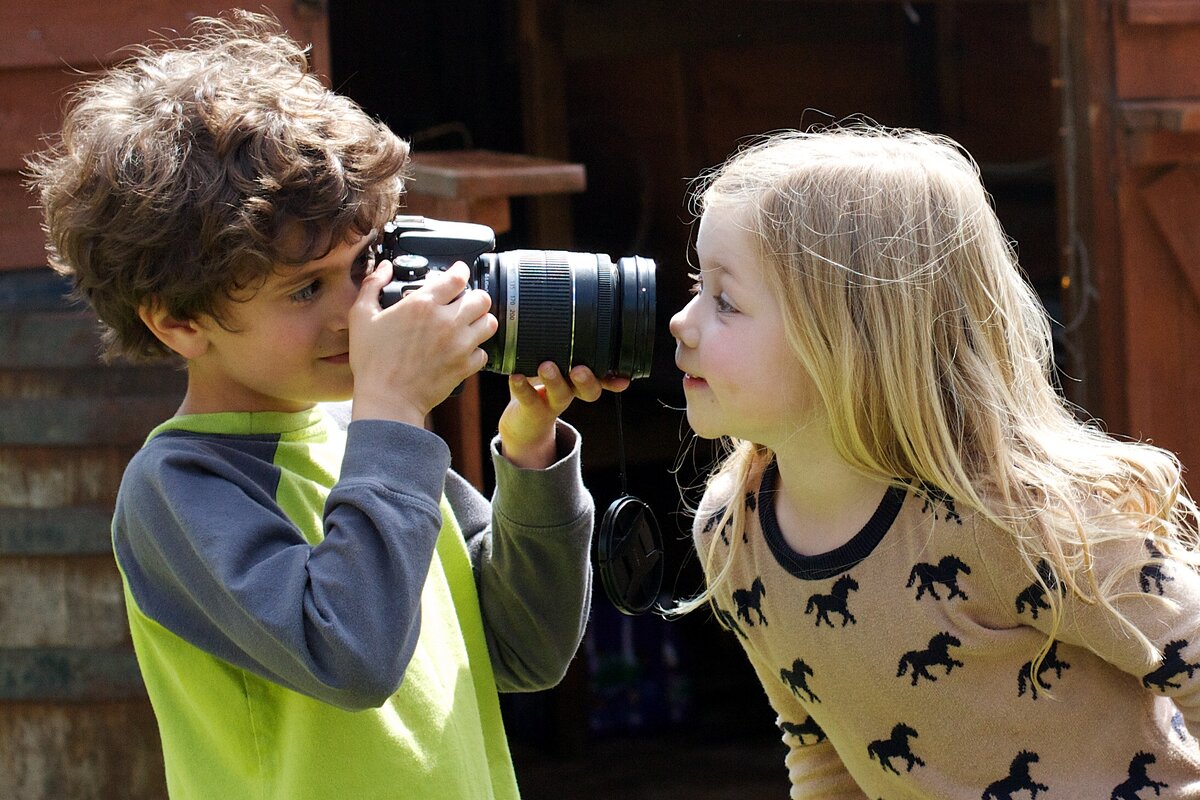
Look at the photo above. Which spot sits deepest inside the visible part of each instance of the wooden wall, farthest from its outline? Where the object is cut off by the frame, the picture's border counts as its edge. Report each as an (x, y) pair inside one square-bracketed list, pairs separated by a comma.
[(648, 96), (74, 718), (49, 46)]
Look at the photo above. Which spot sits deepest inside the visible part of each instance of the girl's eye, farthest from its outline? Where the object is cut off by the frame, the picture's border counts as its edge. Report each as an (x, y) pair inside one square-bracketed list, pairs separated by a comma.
[(307, 293), (723, 305)]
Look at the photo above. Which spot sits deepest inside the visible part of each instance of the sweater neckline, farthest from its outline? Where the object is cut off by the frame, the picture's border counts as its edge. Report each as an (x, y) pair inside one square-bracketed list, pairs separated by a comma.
[(838, 560), (286, 424)]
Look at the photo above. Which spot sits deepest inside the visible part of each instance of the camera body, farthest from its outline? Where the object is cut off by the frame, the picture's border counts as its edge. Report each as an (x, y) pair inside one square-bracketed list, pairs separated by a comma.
[(416, 245), (565, 307)]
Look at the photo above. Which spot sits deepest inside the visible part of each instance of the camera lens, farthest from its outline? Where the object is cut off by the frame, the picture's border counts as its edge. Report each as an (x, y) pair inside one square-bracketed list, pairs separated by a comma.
[(569, 308)]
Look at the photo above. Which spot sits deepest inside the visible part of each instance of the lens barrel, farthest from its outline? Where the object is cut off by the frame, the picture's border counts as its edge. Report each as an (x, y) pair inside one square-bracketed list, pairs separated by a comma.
[(569, 308)]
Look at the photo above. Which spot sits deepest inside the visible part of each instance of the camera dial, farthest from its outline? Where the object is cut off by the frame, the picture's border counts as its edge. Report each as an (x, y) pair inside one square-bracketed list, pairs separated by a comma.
[(409, 267)]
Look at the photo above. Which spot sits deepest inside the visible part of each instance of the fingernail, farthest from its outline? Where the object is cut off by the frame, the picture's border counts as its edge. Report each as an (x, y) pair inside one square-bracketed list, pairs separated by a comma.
[(548, 372)]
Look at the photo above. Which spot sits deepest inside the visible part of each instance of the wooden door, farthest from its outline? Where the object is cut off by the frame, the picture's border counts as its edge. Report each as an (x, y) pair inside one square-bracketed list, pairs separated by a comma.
[(1131, 214)]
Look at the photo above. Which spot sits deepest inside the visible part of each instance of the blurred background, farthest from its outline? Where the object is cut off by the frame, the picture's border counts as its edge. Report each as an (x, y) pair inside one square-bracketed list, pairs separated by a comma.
[(578, 124)]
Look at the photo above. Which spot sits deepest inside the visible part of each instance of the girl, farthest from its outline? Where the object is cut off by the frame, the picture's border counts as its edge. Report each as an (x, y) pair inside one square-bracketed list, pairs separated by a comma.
[(948, 586)]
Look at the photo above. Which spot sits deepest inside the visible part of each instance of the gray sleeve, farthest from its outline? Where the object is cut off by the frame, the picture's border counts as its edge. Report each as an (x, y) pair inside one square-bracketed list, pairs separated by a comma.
[(209, 555), (531, 552)]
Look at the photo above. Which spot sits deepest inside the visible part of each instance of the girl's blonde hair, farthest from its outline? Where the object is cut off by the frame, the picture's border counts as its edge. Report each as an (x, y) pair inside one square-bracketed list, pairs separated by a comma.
[(932, 354)]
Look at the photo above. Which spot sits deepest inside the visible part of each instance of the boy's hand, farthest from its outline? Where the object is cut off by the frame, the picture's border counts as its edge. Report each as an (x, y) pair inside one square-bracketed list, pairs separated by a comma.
[(408, 357), (527, 424)]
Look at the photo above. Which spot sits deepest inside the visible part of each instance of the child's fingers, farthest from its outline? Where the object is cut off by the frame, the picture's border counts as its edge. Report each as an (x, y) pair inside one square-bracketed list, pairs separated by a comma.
[(522, 390), (559, 391), (445, 286), (615, 383), (586, 385), (372, 284)]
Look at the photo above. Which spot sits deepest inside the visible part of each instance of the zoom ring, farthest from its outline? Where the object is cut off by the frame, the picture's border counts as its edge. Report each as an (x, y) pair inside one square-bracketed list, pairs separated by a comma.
[(544, 331)]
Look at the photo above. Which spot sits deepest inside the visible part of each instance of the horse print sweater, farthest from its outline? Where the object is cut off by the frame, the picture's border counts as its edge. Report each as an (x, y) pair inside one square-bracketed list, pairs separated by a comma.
[(899, 664)]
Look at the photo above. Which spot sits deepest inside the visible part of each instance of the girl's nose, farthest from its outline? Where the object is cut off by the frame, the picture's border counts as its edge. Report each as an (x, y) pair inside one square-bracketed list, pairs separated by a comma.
[(681, 329)]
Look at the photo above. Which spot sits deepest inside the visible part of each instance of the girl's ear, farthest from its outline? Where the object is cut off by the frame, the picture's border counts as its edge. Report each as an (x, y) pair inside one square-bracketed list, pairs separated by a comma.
[(185, 336)]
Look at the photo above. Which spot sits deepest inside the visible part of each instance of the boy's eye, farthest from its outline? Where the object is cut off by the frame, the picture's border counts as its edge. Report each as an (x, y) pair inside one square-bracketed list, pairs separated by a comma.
[(307, 293), (363, 264)]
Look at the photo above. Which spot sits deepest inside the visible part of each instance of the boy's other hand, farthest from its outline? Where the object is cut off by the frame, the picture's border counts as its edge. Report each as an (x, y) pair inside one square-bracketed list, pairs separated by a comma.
[(527, 424), (408, 357)]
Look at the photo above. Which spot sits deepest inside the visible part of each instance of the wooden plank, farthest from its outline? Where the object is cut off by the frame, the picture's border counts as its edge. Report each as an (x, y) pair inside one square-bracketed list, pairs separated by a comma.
[(1162, 12), (80, 750), (1174, 203), (1161, 320), (83, 33), (48, 339), (471, 174), (36, 289), (61, 673), (81, 420), (491, 211), (67, 531), (22, 244), (1154, 61), (51, 477), (72, 601), (30, 109), (544, 112), (1175, 115), (1089, 216), (1162, 148)]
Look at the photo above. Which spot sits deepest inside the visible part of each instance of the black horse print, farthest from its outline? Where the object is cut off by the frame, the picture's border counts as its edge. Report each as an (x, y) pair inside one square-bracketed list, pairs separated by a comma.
[(835, 601), (1018, 780), (895, 746), (1027, 680), (1153, 573), (807, 728), (751, 505), (728, 620), (944, 572), (796, 679), (1130, 789), (712, 521), (1033, 596), (1172, 666), (937, 654), (748, 600), (934, 495)]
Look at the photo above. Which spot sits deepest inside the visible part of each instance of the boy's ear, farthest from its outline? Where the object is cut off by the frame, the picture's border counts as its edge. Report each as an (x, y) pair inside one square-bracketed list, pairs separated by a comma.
[(185, 336)]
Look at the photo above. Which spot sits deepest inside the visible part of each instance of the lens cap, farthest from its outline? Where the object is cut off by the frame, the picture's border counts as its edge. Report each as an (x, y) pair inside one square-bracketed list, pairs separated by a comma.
[(629, 555)]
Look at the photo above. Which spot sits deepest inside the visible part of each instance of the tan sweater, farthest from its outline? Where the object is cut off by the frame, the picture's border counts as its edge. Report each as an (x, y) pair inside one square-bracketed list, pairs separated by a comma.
[(898, 664)]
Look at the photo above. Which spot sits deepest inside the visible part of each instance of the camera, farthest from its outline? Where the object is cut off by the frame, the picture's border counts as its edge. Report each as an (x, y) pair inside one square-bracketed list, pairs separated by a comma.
[(552, 305)]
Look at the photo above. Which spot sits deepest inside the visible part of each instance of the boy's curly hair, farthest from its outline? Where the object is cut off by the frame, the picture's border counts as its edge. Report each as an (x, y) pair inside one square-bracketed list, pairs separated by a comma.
[(184, 174)]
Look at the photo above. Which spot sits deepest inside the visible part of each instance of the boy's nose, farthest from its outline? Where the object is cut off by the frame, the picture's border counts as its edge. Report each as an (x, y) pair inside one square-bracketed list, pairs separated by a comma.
[(347, 294)]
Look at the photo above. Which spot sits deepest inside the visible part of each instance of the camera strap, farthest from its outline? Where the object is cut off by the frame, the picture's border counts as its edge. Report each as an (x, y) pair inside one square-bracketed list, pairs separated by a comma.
[(629, 551)]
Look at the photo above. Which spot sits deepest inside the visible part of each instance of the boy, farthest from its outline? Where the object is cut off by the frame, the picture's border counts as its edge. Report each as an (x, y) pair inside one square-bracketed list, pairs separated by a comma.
[(318, 610)]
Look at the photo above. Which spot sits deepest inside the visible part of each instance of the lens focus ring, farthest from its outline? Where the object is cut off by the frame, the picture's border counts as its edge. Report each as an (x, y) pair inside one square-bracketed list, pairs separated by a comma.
[(546, 310)]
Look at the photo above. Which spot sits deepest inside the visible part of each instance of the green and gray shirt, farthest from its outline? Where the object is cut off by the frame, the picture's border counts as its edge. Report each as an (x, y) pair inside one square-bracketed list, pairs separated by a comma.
[(322, 612)]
